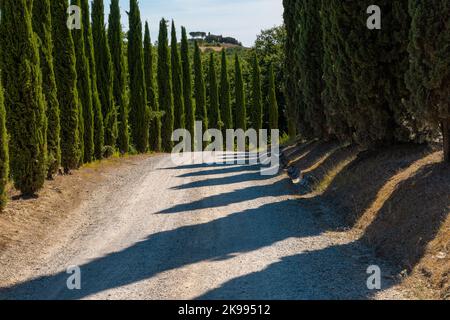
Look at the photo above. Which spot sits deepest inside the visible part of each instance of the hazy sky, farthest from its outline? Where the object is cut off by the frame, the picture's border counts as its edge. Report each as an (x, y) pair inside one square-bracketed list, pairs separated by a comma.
[(242, 19)]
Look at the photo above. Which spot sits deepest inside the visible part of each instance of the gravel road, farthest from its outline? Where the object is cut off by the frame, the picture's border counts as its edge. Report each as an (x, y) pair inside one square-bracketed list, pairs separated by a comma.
[(194, 232)]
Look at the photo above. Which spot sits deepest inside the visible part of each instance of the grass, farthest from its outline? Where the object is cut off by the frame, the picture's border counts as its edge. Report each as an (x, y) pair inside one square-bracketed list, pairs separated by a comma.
[(321, 186), (393, 199)]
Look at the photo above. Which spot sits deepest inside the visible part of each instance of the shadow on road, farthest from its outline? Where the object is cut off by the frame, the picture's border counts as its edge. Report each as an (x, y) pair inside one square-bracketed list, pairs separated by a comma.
[(276, 189), (324, 274), (238, 178), (226, 170), (319, 274), (216, 240)]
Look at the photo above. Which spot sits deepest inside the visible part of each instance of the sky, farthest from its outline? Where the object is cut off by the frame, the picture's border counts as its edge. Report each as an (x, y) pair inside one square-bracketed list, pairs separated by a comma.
[(241, 19)]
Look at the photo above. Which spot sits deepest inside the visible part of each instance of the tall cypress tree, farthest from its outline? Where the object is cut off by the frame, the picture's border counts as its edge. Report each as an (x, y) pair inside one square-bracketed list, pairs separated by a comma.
[(215, 119), (42, 26), (201, 113), (98, 129), (373, 99), (225, 98), (333, 69), (105, 73), (115, 38), (428, 77), (241, 109), (165, 88), (86, 121), (177, 82), (4, 155), (189, 106), (273, 105), (309, 57), (293, 96), (66, 81), (155, 124), (24, 100), (257, 105), (139, 113)]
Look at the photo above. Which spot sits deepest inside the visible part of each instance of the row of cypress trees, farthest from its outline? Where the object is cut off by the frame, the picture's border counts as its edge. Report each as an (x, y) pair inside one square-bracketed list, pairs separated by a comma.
[(71, 98), (209, 99), (370, 87)]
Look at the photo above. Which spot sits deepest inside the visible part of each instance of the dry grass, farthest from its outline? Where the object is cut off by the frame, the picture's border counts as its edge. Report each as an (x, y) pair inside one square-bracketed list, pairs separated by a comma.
[(324, 183), (397, 200), (29, 220)]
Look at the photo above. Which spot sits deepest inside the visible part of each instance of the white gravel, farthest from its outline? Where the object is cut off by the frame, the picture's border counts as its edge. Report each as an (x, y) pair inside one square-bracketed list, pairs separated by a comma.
[(195, 231)]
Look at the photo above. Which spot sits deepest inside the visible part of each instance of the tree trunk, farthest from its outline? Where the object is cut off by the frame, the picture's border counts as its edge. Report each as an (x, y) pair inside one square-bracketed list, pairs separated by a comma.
[(446, 136)]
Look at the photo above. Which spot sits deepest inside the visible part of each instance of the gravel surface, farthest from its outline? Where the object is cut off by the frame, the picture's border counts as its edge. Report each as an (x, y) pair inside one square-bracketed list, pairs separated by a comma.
[(194, 232)]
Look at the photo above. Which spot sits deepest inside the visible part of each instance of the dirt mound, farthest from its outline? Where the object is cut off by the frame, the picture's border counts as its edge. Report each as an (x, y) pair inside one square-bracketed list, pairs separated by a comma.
[(397, 200)]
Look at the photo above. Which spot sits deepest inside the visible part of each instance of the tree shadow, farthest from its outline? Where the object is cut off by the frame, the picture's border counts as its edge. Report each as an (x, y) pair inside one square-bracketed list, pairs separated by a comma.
[(279, 188), (197, 166), (240, 232), (378, 193), (25, 197), (337, 158), (313, 154), (223, 161), (244, 177), (334, 273), (298, 150), (408, 221), (356, 186), (220, 171)]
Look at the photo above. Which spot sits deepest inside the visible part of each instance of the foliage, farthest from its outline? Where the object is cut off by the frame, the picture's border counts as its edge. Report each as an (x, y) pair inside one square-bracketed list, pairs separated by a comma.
[(165, 88), (115, 37), (42, 26), (177, 82), (139, 111), (66, 80)]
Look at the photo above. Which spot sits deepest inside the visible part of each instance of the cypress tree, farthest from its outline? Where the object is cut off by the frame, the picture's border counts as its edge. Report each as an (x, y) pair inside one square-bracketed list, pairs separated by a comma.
[(24, 99), (333, 69), (105, 74), (42, 26), (66, 81), (98, 129), (177, 82), (4, 155), (373, 98), (241, 109), (215, 120), (155, 124), (86, 121), (273, 105), (309, 58), (115, 38), (165, 88), (201, 113), (225, 98), (396, 43), (257, 105), (293, 96), (428, 77), (189, 106), (139, 112)]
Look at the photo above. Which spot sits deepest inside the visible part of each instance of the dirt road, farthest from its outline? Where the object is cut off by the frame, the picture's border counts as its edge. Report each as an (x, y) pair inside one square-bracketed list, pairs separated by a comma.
[(194, 232)]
